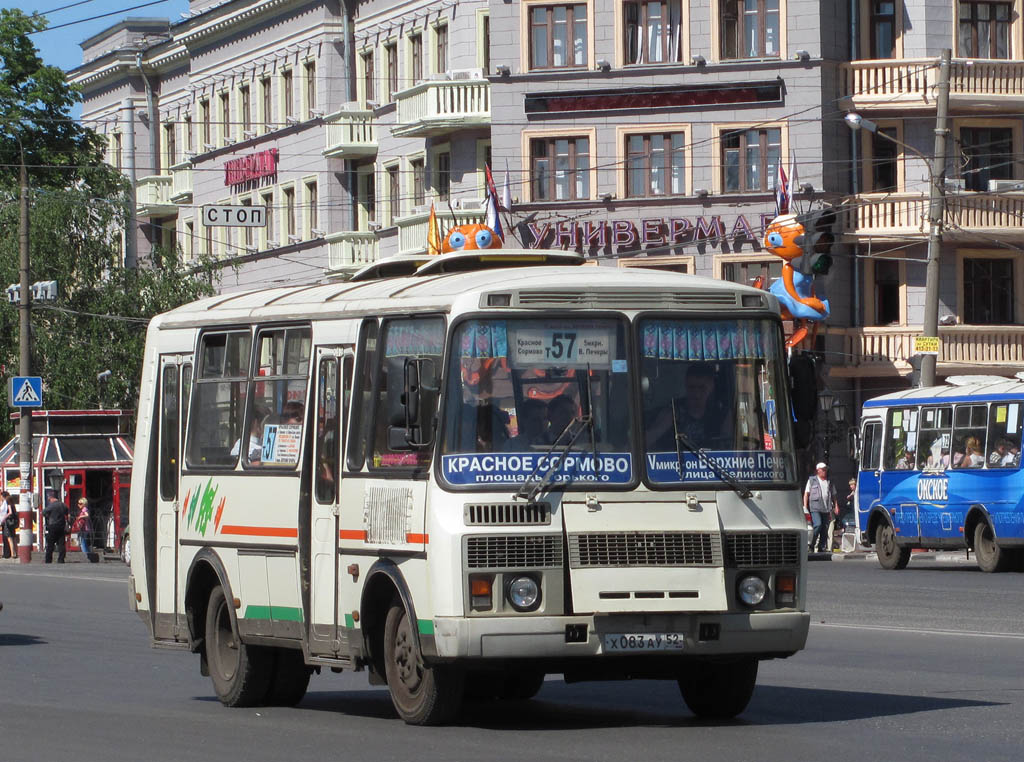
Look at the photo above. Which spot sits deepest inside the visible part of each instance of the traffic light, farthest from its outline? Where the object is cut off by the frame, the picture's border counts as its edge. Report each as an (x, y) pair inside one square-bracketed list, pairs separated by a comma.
[(816, 242)]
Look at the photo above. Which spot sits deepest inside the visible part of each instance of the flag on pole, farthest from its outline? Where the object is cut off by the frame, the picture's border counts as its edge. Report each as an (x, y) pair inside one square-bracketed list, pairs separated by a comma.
[(433, 233), (782, 194), (793, 181), (493, 220)]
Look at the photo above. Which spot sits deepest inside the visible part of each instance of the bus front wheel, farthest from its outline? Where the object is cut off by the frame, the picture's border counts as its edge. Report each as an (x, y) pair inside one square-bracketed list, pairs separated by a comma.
[(241, 674), (991, 558), (890, 555), (422, 694), (719, 690)]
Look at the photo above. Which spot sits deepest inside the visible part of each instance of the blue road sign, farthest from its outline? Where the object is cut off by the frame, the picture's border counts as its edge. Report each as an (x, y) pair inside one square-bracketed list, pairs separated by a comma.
[(25, 391)]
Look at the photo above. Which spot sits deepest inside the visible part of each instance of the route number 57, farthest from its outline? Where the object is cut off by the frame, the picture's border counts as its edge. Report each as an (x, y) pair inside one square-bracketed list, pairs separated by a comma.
[(561, 346)]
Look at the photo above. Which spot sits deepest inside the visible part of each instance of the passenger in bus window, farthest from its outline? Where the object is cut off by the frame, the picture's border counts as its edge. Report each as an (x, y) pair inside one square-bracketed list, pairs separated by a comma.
[(906, 463), (697, 418), (973, 457), (255, 437), (561, 411), (491, 428), (1002, 455)]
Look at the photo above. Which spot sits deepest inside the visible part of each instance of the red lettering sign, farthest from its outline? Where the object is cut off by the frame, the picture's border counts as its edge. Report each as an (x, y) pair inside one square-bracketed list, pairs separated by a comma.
[(252, 167)]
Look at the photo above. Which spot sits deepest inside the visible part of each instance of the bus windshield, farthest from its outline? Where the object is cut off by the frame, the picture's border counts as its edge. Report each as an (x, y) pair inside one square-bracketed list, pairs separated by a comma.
[(528, 396), (719, 384)]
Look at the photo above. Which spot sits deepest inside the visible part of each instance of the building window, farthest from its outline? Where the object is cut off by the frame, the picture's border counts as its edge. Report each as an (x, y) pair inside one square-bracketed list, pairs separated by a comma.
[(225, 118), (190, 243), (394, 194), (367, 196), (312, 208), (189, 147), (882, 25), (268, 111), (560, 169), (655, 164), (747, 271), (750, 159), (204, 117), (887, 292), (485, 42), (116, 150), (653, 31), (984, 29), (287, 93), (884, 161), (310, 72), (750, 28), (170, 145), (247, 232), (558, 36), (443, 181), (289, 212), (368, 94), (988, 154), (419, 184), (416, 57), (391, 56), (268, 230), (988, 291), (245, 107), (441, 48)]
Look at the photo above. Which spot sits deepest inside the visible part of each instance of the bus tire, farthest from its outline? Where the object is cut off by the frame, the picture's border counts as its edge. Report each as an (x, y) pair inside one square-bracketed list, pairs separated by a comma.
[(719, 690), (422, 694), (290, 678), (240, 673), (890, 555), (991, 558)]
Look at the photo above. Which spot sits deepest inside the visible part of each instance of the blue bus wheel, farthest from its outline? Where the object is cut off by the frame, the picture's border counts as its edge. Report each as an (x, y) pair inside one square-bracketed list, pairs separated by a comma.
[(890, 555)]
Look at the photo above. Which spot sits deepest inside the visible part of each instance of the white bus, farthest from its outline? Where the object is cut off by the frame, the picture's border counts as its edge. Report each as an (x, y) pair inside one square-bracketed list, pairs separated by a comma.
[(464, 475)]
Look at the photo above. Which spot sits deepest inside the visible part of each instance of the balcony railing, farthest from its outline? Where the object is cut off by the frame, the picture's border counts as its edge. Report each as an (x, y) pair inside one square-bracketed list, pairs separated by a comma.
[(433, 108), (181, 183), (412, 230), (887, 350), (910, 83), (350, 134), (153, 196), (879, 215), (351, 250)]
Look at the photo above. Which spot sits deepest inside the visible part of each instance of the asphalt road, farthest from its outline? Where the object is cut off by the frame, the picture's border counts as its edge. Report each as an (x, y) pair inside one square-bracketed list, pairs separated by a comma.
[(912, 665)]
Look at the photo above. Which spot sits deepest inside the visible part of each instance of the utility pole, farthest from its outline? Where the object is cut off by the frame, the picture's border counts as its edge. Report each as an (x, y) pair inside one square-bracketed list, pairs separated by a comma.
[(25, 416), (131, 253), (936, 216)]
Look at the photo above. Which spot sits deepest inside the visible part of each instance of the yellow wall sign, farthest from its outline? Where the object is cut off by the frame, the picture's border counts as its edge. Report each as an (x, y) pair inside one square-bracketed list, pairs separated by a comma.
[(926, 345)]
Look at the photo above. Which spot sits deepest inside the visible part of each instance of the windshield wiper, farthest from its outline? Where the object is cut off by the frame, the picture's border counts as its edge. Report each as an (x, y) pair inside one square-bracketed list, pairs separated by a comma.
[(683, 440)]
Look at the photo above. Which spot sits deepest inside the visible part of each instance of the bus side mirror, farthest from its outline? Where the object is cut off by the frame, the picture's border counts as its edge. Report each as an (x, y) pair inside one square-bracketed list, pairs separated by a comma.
[(853, 444), (419, 381)]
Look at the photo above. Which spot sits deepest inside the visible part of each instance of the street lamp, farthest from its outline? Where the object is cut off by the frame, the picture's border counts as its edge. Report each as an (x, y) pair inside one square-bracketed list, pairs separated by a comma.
[(833, 420)]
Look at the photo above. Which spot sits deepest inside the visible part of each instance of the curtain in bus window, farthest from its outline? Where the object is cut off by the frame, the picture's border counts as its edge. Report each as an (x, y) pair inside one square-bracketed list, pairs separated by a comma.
[(1004, 434), (708, 340)]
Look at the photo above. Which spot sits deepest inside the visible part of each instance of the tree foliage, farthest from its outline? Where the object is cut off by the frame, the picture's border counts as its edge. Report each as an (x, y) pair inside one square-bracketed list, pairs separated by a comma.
[(78, 214)]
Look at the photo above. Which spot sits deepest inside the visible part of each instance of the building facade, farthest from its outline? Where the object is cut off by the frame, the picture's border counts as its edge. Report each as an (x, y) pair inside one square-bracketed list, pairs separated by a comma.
[(639, 132)]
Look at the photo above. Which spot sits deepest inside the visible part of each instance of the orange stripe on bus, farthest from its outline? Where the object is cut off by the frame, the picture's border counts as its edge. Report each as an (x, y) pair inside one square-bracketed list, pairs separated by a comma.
[(259, 531), (417, 538), (352, 534)]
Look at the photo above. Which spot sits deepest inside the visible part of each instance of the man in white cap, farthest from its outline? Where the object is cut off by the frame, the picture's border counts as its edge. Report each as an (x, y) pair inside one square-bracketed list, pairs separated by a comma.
[(820, 501)]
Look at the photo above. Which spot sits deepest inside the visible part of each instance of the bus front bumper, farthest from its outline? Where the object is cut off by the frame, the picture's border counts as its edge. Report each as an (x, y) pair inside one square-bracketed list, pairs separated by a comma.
[(774, 633)]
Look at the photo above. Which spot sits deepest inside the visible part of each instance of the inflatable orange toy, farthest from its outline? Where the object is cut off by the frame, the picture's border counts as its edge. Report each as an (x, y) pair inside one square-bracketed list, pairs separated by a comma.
[(469, 237), (794, 290)]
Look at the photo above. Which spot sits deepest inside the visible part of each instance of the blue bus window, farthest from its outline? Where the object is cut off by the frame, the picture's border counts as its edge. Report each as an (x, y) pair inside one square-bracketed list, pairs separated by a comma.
[(970, 434), (1004, 435), (901, 439), (933, 452)]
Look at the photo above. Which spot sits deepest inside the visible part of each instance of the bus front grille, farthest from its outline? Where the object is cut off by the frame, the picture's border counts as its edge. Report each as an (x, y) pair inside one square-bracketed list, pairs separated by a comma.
[(507, 514), (596, 549), (762, 549), (517, 551)]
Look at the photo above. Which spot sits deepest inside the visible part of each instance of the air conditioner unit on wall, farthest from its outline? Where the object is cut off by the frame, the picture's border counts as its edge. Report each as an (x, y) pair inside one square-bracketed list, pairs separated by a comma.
[(457, 75), (997, 186), (955, 184)]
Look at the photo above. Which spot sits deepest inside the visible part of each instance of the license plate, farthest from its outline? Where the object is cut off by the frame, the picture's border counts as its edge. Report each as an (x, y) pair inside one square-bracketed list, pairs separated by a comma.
[(662, 641)]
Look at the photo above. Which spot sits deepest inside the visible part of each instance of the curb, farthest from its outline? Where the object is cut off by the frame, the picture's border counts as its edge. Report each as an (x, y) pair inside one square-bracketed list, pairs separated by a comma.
[(944, 557)]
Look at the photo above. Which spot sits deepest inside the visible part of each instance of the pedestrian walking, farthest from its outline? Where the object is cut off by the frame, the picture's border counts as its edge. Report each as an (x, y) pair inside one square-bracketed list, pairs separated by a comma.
[(82, 527), (55, 521), (820, 501), (9, 525)]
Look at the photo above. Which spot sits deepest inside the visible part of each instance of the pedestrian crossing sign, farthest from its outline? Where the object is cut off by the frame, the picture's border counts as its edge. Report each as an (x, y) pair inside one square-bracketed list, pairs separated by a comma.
[(25, 391)]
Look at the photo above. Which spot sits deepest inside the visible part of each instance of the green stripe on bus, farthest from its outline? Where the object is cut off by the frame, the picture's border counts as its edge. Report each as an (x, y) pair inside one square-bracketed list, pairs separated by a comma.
[(426, 626), (349, 621), (275, 613)]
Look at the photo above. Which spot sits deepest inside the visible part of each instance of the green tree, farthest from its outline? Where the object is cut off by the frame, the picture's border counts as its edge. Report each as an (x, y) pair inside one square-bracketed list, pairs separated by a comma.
[(78, 214)]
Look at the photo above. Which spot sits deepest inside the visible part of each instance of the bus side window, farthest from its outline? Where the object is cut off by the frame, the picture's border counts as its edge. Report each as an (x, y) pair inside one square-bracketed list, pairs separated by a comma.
[(278, 410), (871, 453), (327, 420), (933, 447), (1004, 435), (169, 431), (901, 439), (219, 399), (358, 435), (970, 426)]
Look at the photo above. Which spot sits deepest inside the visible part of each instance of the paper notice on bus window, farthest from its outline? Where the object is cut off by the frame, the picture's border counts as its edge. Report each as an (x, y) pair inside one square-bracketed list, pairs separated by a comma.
[(1012, 418), (945, 442), (929, 417), (912, 441), (1000, 413), (281, 443), (911, 422), (897, 419)]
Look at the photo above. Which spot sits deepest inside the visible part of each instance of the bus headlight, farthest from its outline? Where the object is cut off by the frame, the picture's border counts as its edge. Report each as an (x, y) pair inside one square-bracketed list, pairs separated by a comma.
[(752, 590), (523, 593)]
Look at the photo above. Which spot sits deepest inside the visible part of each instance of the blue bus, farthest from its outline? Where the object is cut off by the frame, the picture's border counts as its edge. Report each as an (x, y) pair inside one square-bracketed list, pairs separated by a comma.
[(940, 469)]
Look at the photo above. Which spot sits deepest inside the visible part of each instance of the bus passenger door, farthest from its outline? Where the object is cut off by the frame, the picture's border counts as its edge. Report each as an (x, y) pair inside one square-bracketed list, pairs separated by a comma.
[(175, 377), (333, 385), (869, 480)]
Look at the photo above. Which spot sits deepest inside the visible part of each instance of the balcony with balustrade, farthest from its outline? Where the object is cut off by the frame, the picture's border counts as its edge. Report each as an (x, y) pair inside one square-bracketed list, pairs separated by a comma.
[(976, 84), (438, 107), (351, 250), (350, 135), (181, 183), (153, 197), (968, 215), (412, 229), (886, 350)]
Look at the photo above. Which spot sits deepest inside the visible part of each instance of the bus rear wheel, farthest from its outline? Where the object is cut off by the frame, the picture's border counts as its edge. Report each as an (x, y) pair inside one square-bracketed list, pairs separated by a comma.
[(890, 555), (240, 673), (422, 694), (719, 690), (991, 558)]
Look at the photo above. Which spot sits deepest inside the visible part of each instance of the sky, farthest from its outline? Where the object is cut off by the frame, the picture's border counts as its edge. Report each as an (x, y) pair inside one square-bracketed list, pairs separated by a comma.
[(61, 47)]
